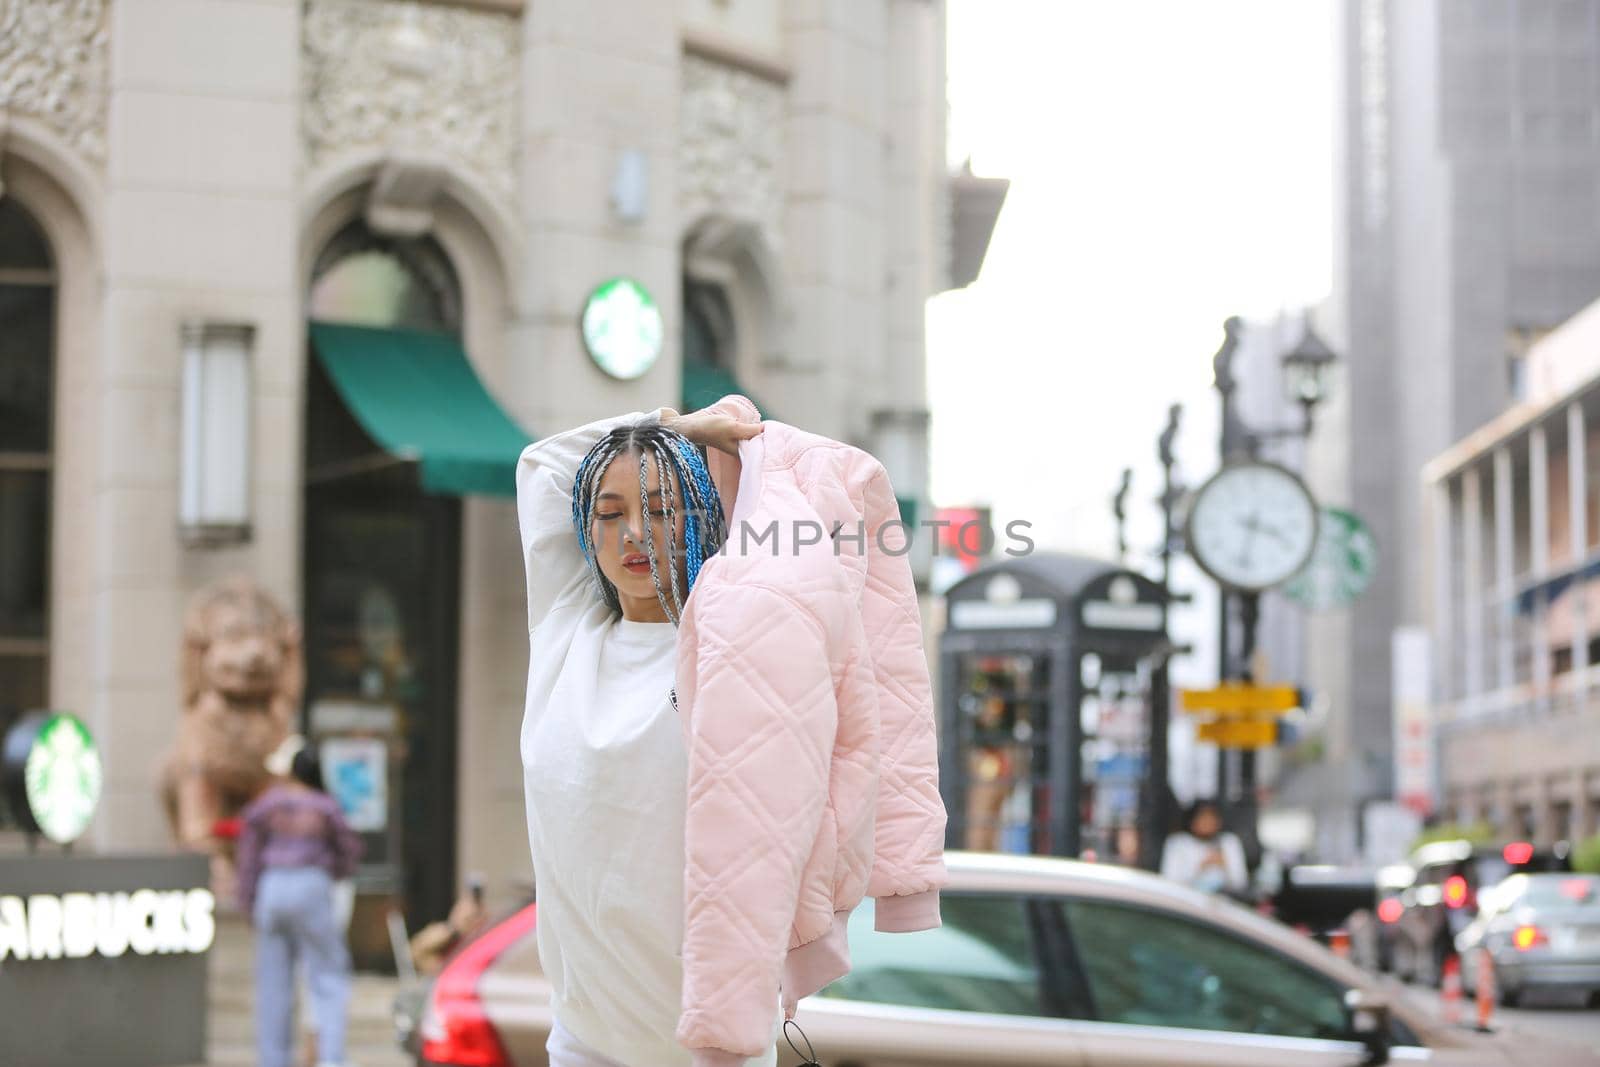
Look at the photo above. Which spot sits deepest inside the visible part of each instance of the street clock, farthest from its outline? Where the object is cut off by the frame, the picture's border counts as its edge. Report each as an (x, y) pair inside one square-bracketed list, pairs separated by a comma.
[(1252, 526)]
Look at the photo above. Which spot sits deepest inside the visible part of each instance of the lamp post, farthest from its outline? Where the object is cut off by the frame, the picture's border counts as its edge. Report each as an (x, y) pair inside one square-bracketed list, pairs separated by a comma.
[(1155, 810), (1305, 377)]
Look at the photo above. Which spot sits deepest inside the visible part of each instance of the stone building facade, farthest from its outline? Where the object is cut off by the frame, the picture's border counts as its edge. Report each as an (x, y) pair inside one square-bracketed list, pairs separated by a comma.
[(771, 172)]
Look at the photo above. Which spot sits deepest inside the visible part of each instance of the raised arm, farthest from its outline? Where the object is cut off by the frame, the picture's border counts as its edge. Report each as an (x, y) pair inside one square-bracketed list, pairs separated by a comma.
[(556, 571)]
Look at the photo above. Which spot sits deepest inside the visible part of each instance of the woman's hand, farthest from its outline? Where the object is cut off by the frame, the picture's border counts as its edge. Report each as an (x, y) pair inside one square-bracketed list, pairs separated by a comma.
[(711, 429)]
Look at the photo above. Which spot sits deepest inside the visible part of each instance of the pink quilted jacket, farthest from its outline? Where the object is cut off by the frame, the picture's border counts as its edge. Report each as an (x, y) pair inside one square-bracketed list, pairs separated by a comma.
[(813, 769)]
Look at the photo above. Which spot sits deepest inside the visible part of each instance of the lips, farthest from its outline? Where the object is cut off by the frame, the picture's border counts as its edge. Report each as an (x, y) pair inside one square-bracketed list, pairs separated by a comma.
[(637, 562)]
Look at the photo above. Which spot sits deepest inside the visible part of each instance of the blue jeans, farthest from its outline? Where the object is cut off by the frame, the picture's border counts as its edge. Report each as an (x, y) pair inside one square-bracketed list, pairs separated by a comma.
[(294, 923)]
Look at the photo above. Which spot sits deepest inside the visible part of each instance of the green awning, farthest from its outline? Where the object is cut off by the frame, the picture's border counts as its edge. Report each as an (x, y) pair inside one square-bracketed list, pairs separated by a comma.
[(418, 397), (704, 385)]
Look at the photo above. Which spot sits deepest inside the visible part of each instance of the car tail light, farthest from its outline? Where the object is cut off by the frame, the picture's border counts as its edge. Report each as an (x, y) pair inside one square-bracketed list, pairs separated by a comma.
[(1527, 937), (1517, 853), (1390, 909), (1577, 890), (1456, 893), (457, 1031)]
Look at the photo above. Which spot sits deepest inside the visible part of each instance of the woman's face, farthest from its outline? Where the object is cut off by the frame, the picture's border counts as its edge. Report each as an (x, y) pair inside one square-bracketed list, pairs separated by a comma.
[(618, 527), (1206, 822)]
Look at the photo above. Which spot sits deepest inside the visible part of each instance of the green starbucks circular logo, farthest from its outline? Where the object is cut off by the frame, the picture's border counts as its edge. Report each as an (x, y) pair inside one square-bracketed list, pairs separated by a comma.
[(622, 328), (62, 778), (1341, 565)]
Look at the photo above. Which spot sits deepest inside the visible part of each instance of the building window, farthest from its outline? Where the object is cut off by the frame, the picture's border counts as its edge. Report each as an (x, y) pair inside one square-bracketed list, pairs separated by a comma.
[(367, 279), (27, 344)]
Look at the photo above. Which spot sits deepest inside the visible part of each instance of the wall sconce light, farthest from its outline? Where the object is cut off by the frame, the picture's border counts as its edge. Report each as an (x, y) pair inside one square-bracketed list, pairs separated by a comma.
[(214, 490), (630, 187)]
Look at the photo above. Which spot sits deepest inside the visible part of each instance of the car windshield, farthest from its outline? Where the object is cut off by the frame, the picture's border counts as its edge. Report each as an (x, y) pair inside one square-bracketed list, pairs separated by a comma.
[(1491, 869)]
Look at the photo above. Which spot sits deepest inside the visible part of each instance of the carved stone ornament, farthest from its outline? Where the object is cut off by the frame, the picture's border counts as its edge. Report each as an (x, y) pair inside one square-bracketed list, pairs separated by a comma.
[(53, 67), (414, 77), (730, 152)]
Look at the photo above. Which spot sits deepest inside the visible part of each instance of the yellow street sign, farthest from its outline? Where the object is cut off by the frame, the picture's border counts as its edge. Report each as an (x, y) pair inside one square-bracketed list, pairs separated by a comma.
[(1234, 698), (1239, 733)]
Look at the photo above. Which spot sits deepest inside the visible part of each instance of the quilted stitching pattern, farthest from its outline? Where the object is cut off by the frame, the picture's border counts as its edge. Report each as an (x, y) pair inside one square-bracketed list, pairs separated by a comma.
[(813, 767)]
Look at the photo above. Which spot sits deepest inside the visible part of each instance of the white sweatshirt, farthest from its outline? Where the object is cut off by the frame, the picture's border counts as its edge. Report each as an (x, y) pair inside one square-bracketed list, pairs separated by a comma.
[(604, 777)]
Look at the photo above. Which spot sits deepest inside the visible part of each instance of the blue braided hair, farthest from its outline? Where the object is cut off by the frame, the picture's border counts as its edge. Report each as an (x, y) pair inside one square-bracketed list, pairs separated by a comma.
[(682, 475)]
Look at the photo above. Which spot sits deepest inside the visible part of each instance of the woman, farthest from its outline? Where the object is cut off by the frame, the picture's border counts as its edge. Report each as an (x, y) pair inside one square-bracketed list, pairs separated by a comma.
[(1205, 856), (616, 518), (293, 845)]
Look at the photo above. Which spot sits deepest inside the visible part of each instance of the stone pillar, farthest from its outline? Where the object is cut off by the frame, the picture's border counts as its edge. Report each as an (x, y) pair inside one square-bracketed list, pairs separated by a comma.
[(200, 222), (598, 81), (837, 202), (1539, 554), (1504, 572), (1578, 524), (1473, 581)]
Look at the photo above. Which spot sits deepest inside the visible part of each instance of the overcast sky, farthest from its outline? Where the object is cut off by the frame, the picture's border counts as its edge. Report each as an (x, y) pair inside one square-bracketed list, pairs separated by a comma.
[(1170, 165)]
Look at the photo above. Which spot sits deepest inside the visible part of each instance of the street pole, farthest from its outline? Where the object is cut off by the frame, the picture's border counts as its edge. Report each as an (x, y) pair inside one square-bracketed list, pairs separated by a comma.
[(1228, 443), (1156, 811)]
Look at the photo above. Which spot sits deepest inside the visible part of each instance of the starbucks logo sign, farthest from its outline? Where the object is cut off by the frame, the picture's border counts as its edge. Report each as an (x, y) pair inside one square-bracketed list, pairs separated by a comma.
[(622, 328), (53, 775)]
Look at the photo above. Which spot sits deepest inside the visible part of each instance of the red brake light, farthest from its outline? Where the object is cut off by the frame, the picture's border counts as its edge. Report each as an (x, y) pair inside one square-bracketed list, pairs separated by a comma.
[(1527, 937), (1517, 853), (461, 1033), (1390, 909), (1455, 891)]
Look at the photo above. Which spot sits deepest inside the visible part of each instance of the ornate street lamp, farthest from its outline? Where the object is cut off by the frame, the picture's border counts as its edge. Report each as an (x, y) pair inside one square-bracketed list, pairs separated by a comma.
[(1305, 372)]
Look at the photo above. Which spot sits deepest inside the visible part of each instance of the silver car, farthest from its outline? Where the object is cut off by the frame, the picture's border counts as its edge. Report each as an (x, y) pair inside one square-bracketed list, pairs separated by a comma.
[(1542, 931), (1039, 963)]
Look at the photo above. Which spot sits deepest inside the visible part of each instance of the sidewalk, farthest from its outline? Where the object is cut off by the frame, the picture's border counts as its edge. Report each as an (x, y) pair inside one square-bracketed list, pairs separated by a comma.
[(231, 1039)]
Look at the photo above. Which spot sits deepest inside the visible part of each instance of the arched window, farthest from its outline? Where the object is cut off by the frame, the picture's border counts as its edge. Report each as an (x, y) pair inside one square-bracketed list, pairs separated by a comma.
[(27, 351), (709, 339), (366, 279)]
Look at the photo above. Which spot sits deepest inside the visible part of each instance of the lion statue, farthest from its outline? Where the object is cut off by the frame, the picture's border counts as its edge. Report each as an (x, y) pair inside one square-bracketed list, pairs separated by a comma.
[(243, 675)]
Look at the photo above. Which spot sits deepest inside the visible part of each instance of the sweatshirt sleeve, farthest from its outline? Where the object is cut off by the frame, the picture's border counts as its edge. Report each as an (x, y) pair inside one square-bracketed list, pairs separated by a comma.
[(247, 859), (347, 846), (555, 568), (908, 867), (759, 750)]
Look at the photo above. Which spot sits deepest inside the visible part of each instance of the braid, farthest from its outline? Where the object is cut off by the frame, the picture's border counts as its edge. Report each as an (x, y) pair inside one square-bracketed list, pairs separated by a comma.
[(682, 475)]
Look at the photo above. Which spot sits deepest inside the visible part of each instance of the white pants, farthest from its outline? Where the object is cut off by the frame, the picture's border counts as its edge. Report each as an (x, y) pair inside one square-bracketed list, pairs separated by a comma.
[(567, 1051)]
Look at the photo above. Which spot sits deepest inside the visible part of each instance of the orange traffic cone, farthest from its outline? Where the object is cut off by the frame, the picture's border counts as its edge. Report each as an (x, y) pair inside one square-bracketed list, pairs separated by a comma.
[(1450, 990), (1339, 942), (1486, 991)]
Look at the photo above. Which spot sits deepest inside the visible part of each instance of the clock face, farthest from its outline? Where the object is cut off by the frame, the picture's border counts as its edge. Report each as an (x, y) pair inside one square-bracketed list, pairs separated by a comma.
[(622, 328), (1252, 526)]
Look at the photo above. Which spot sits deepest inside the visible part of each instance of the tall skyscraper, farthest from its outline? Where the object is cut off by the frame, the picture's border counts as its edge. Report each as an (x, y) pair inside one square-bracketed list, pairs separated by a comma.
[(1467, 224)]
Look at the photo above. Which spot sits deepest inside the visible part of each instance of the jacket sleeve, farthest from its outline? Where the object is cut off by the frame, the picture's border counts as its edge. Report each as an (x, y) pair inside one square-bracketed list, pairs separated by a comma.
[(908, 867), (556, 571), (759, 746), (723, 468)]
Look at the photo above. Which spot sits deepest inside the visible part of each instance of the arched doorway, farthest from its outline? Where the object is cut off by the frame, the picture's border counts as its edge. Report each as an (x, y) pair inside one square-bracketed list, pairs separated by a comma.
[(382, 579), (27, 373)]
